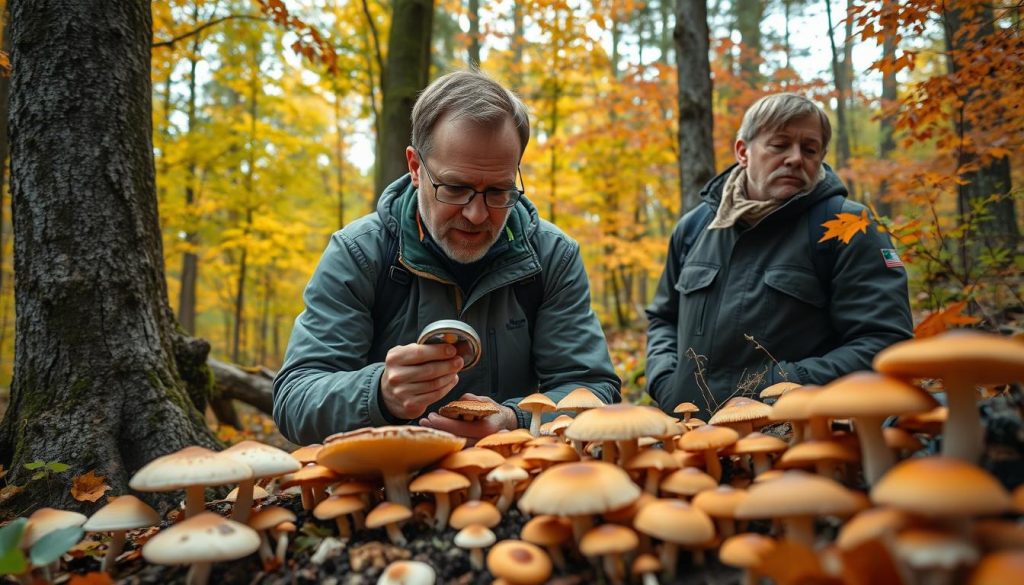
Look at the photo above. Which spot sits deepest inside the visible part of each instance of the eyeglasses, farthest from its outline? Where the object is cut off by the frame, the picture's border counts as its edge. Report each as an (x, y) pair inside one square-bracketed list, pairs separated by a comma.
[(463, 195)]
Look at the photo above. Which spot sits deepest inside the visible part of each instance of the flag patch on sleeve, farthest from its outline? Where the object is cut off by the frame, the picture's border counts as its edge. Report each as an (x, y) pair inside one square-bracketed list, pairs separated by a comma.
[(891, 258)]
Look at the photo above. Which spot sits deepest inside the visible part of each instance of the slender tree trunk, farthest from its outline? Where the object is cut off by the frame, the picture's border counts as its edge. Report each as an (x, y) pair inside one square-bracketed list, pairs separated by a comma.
[(665, 44), (696, 141), (5, 150), (1000, 230), (474, 33), (748, 14), (842, 138), (339, 159), (517, 45), (887, 142), (190, 260), (96, 384), (405, 75), (268, 293)]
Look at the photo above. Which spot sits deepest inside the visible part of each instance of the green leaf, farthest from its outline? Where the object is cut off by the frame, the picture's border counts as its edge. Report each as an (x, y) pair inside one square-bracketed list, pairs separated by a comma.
[(12, 560), (34, 465), (39, 475), (57, 467), (49, 548)]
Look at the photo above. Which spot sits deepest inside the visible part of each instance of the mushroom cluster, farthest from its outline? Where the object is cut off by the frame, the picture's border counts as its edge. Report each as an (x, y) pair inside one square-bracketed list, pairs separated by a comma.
[(641, 495)]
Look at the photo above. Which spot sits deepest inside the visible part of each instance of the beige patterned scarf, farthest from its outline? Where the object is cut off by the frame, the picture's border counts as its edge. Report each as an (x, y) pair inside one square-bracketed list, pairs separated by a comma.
[(735, 205)]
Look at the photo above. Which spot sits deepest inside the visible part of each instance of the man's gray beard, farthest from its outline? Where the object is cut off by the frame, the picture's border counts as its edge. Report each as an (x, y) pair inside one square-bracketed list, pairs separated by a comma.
[(448, 250)]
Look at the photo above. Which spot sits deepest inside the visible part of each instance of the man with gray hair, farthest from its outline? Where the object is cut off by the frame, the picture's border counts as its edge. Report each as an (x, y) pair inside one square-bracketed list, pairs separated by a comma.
[(750, 295), (453, 239)]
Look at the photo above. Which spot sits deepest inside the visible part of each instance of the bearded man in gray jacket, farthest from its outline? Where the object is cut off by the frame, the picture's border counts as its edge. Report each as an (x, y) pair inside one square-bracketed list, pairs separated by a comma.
[(750, 295), (467, 243)]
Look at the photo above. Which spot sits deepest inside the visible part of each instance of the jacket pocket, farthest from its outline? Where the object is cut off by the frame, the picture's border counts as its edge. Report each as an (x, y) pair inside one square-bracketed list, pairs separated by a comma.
[(798, 284), (694, 280)]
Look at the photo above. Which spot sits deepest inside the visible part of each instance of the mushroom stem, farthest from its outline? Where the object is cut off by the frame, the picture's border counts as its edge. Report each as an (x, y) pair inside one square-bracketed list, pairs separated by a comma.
[(508, 493), (357, 520), (442, 510), (395, 533), (613, 567), (712, 465), (264, 550), (877, 456), (474, 484), (555, 552), (343, 530), (797, 432), (307, 498), (198, 574), (396, 487), (627, 449), (726, 527), (800, 529), (243, 503), (608, 451), (476, 555), (535, 424), (282, 546), (581, 523), (652, 481), (195, 500), (761, 463), (750, 577), (817, 429), (578, 446), (963, 436), (669, 445), (649, 579), (669, 555), (113, 549)]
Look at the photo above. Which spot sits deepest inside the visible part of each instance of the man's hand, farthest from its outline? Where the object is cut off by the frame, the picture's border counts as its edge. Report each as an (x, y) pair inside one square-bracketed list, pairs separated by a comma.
[(477, 429), (416, 376)]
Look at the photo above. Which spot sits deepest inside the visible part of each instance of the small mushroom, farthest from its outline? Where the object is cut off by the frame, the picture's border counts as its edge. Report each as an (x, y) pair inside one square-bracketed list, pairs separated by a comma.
[(200, 541), (472, 462), (610, 542), (442, 483), (407, 573), (507, 475), (550, 532), (519, 562), (389, 515), (708, 439), (120, 515), (192, 469), (475, 538), (337, 508), (266, 462), (266, 520), (536, 404)]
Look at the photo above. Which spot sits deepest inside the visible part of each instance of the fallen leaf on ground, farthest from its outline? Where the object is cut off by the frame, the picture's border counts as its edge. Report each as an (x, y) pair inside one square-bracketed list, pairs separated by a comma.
[(943, 320), (88, 487)]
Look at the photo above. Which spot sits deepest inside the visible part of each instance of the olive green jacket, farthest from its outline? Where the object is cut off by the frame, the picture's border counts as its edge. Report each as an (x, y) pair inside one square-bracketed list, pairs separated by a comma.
[(330, 379), (763, 282)]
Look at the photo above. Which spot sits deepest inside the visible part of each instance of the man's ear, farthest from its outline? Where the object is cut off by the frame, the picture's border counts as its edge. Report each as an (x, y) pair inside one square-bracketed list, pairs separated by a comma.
[(414, 165), (742, 152)]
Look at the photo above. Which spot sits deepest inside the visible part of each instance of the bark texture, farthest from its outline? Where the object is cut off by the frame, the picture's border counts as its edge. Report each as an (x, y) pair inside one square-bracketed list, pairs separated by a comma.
[(406, 74), (95, 383), (696, 141)]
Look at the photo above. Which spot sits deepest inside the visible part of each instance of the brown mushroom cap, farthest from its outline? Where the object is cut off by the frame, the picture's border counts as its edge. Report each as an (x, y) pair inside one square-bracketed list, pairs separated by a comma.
[(587, 487), (688, 481), (985, 358), (675, 521), (870, 525), (552, 452), (796, 493), (311, 474), (519, 562), (608, 539), (778, 389), (334, 506), (468, 409), (999, 568), (930, 422), (504, 439), (270, 517), (756, 443), (866, 394), (941, 486), (547, 530), (617, 422), (811, 452), (387, 513), (122, 513), (993, 535), (745, 551), (45, 520), (439, 481), (897, 438), (265, 461), (579, 400), (652, 459), (536, 403), (720, 502), (740, 409), (685, 408), (556, 426), (708, 437), (307, 454), (190, 466), (923, 548), (474, 459), (795, 404), (475, 512), (390, 451)]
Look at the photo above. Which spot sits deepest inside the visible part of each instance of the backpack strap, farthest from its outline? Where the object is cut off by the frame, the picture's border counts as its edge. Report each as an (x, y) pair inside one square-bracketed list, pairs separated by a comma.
[(823, 254), (530, 294)]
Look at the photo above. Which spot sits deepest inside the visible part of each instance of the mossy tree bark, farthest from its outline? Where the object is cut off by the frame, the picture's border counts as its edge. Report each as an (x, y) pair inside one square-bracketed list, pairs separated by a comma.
[(96, 384), (405, 75)]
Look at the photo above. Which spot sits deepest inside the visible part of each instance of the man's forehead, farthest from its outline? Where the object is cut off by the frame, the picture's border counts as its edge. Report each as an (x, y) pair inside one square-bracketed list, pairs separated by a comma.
[(808, 128)]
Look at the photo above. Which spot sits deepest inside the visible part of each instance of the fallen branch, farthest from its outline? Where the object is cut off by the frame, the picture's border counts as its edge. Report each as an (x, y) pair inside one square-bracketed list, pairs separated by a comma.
[(235, 383)]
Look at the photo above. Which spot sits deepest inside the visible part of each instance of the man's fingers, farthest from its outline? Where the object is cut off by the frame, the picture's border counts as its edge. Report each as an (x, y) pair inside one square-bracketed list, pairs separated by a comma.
[(403, 375), (416, 353)]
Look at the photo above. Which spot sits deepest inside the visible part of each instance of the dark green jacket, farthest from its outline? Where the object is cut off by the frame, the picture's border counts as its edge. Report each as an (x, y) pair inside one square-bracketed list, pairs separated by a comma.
[(331, 374), (763, 282)]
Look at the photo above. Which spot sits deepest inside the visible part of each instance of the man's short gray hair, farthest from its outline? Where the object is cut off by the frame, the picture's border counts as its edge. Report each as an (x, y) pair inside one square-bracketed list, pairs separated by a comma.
[(470, 95), (774, 112)]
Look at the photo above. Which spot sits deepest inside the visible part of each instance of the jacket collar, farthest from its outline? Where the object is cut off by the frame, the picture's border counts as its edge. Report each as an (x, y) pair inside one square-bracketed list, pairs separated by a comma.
[(829, 186)]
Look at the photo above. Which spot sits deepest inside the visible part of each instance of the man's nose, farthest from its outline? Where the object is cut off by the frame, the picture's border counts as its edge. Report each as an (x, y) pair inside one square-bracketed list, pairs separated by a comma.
[(476, 210), (794, 156)]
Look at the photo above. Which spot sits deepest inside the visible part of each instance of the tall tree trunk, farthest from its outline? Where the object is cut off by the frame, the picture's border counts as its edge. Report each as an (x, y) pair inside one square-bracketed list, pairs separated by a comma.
[(842, 138), (748, 15), (474, 33), (887, 126), (696, 141), (405, 75), (96, 384), (999, 231), (5, 150), (665, 44), (339, 159), (190, 260), (517, 46)]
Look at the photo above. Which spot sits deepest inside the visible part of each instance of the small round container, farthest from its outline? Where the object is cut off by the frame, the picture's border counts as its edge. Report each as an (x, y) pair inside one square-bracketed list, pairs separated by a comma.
[(460, 334)]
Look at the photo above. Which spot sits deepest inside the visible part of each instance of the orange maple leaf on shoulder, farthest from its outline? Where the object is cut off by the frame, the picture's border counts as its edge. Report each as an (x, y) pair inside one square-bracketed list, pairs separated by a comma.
[(845, 226), (944, 319), (88, 487)]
